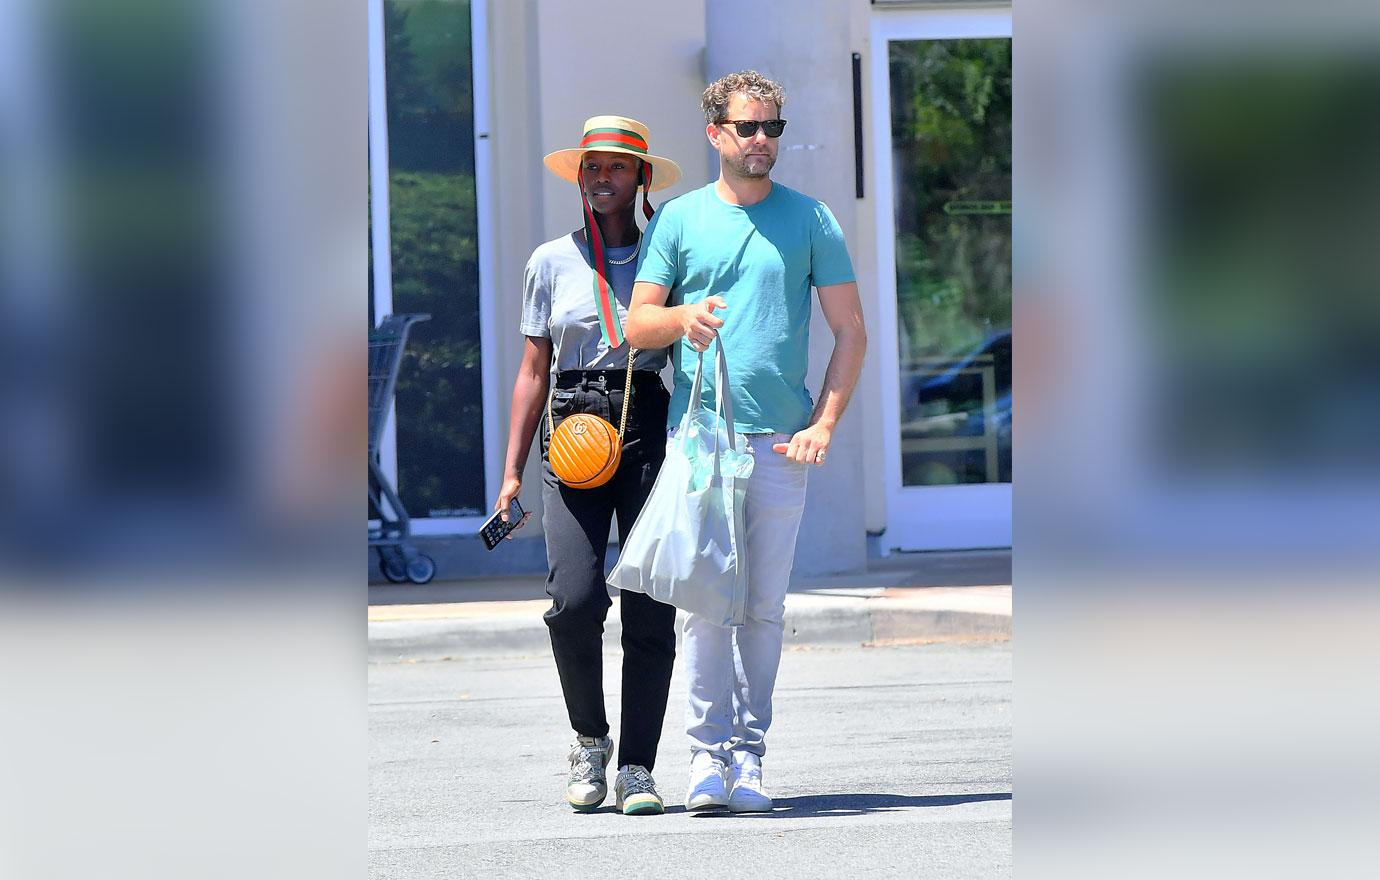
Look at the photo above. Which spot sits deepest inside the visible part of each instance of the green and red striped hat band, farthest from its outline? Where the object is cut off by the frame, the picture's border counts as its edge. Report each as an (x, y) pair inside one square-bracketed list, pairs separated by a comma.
[(605, 305), (616, 138)]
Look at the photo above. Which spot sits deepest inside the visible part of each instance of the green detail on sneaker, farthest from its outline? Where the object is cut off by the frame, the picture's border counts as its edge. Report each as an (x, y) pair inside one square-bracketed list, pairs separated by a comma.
[(636, 792), (643, 805)]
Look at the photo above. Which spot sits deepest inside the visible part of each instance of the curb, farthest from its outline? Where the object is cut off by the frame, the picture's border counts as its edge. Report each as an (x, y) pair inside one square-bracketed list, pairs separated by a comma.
[(866, 617)]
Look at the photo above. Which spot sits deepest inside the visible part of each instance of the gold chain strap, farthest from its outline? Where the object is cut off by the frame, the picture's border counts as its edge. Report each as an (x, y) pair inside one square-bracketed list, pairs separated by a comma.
[(627, 394), (550, 396), (627, 398)]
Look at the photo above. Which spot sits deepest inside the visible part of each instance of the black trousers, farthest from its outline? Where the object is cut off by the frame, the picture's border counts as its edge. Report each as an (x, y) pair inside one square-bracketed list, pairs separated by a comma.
[(576, 523)]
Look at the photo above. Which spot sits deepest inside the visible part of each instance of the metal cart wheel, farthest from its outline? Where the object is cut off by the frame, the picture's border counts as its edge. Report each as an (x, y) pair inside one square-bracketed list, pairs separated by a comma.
[(393, 565), (421, 569)]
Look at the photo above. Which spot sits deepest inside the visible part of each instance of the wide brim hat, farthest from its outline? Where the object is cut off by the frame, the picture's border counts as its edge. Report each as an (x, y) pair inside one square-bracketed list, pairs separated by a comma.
[(613, 134)]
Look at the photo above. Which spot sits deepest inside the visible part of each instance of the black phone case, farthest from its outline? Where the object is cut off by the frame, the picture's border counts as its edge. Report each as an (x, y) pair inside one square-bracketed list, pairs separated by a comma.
[(495, 529)]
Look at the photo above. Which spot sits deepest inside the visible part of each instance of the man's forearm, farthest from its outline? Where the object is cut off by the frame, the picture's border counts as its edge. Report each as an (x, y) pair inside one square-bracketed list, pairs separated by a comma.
[(845, 365), (652, 326)]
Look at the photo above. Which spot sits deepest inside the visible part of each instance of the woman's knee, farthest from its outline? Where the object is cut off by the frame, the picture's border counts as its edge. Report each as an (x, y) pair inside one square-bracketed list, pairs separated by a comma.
[(585, 609)]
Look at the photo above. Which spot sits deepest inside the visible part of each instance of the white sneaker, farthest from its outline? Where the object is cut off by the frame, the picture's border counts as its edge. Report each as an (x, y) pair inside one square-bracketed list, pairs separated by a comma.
[(707, 790), (588, 784), (745, 794), (636, 791)]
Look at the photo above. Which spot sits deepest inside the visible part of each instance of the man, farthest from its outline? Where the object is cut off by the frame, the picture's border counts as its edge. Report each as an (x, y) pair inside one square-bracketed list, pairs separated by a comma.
[(751, 249)]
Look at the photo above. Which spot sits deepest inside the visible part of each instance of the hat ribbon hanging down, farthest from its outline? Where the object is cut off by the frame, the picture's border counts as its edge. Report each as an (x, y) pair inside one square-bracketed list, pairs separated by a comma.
[(605, 304)]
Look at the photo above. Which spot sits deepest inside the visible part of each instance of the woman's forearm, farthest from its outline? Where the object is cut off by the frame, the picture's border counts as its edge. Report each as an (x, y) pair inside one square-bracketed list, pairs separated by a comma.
[(529, 401)]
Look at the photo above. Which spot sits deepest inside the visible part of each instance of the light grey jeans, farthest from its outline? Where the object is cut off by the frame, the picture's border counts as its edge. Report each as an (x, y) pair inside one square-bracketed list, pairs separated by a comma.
[(732, 670)]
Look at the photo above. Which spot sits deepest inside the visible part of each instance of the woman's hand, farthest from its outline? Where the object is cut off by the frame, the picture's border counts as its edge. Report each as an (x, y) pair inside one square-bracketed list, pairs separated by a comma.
[(512, 485)]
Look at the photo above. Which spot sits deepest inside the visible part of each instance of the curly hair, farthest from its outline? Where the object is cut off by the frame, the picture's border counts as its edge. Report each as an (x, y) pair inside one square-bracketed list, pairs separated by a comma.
[(715, 99)]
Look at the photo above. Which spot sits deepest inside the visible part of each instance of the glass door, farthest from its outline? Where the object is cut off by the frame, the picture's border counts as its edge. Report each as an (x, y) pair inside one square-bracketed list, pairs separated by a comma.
[(942, 99)]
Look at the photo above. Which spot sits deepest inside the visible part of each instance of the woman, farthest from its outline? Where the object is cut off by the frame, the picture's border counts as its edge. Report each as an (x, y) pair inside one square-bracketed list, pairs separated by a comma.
[(569, 334)]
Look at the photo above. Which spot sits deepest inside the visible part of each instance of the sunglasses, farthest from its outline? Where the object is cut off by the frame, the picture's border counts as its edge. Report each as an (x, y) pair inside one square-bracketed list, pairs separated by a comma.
[(747, 128)]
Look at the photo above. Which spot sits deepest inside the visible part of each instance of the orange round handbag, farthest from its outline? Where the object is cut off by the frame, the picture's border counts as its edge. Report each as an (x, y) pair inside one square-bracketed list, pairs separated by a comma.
[(585, 450)]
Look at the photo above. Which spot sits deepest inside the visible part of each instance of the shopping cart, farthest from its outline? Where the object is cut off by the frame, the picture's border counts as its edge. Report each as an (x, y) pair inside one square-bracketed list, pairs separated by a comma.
[(399, 561)]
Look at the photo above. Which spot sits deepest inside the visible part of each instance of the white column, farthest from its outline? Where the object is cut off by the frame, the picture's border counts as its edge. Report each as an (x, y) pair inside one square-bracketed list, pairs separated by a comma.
[(810, 55), (379, 225)]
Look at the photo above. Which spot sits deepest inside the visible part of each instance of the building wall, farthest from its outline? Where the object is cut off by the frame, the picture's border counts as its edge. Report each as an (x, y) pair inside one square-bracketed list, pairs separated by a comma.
[(867, 399), (646, 61)]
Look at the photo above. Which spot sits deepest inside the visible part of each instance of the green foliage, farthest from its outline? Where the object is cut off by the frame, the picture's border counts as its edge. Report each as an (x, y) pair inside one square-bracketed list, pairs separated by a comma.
[(435, 270), (430, 85), (951, 134)]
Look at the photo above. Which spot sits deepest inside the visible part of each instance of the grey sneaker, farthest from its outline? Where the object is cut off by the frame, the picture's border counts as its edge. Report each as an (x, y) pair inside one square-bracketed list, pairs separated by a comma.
[(707, 790), (745, 794), (588, 784), (636, 792)]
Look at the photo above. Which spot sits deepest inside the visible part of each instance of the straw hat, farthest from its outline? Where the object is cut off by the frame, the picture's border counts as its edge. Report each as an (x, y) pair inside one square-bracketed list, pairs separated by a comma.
[(613, 134)]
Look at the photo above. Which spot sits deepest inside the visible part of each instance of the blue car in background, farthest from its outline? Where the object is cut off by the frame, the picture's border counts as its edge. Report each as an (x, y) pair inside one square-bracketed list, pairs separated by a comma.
[(943, 400)]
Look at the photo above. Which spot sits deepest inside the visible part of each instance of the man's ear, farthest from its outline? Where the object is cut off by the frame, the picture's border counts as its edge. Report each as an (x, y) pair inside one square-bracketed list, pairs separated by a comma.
[(711, 131)]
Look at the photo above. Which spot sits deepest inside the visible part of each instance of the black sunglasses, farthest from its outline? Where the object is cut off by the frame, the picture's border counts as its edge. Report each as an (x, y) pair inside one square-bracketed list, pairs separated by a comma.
[(747, 128)]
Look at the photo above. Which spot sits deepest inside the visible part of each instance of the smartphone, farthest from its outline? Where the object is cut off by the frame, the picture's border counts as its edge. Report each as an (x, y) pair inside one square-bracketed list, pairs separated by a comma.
[(495, 529)]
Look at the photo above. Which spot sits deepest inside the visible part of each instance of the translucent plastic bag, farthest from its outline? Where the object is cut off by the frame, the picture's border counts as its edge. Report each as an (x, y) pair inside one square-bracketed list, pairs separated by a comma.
[(688, 547)]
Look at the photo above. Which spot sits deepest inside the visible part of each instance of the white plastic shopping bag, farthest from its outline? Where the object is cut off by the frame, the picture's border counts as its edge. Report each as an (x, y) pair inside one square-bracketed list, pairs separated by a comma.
[(688, 547)]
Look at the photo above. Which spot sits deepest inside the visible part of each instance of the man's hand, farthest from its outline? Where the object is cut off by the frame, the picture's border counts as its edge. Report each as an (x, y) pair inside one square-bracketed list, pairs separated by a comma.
[(701, 326), (807, 446)]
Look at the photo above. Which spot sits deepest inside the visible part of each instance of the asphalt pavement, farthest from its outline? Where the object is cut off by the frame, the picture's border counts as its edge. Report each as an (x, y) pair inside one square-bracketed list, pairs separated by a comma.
[(884, 762)]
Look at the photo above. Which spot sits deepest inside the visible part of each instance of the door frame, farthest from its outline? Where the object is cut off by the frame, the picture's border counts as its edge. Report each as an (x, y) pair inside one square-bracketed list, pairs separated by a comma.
[(921, 517)]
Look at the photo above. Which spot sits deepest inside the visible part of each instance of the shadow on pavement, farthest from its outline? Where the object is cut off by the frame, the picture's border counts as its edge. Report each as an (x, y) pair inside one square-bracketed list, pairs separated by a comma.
[(860, 804)]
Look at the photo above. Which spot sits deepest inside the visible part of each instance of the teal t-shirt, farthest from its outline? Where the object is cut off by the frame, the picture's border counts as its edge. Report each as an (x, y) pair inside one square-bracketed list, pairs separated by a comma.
[(762, 259)]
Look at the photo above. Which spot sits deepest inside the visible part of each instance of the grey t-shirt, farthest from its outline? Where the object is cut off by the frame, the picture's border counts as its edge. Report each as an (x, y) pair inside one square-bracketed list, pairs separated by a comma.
[(558, 304)]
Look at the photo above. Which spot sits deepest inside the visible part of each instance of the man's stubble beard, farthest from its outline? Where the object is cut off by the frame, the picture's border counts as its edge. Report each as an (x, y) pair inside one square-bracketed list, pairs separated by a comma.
[(739, 165)]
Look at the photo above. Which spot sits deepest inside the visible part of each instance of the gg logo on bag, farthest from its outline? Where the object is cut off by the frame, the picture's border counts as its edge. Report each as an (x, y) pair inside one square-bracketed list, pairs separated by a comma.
[(585, 451)]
